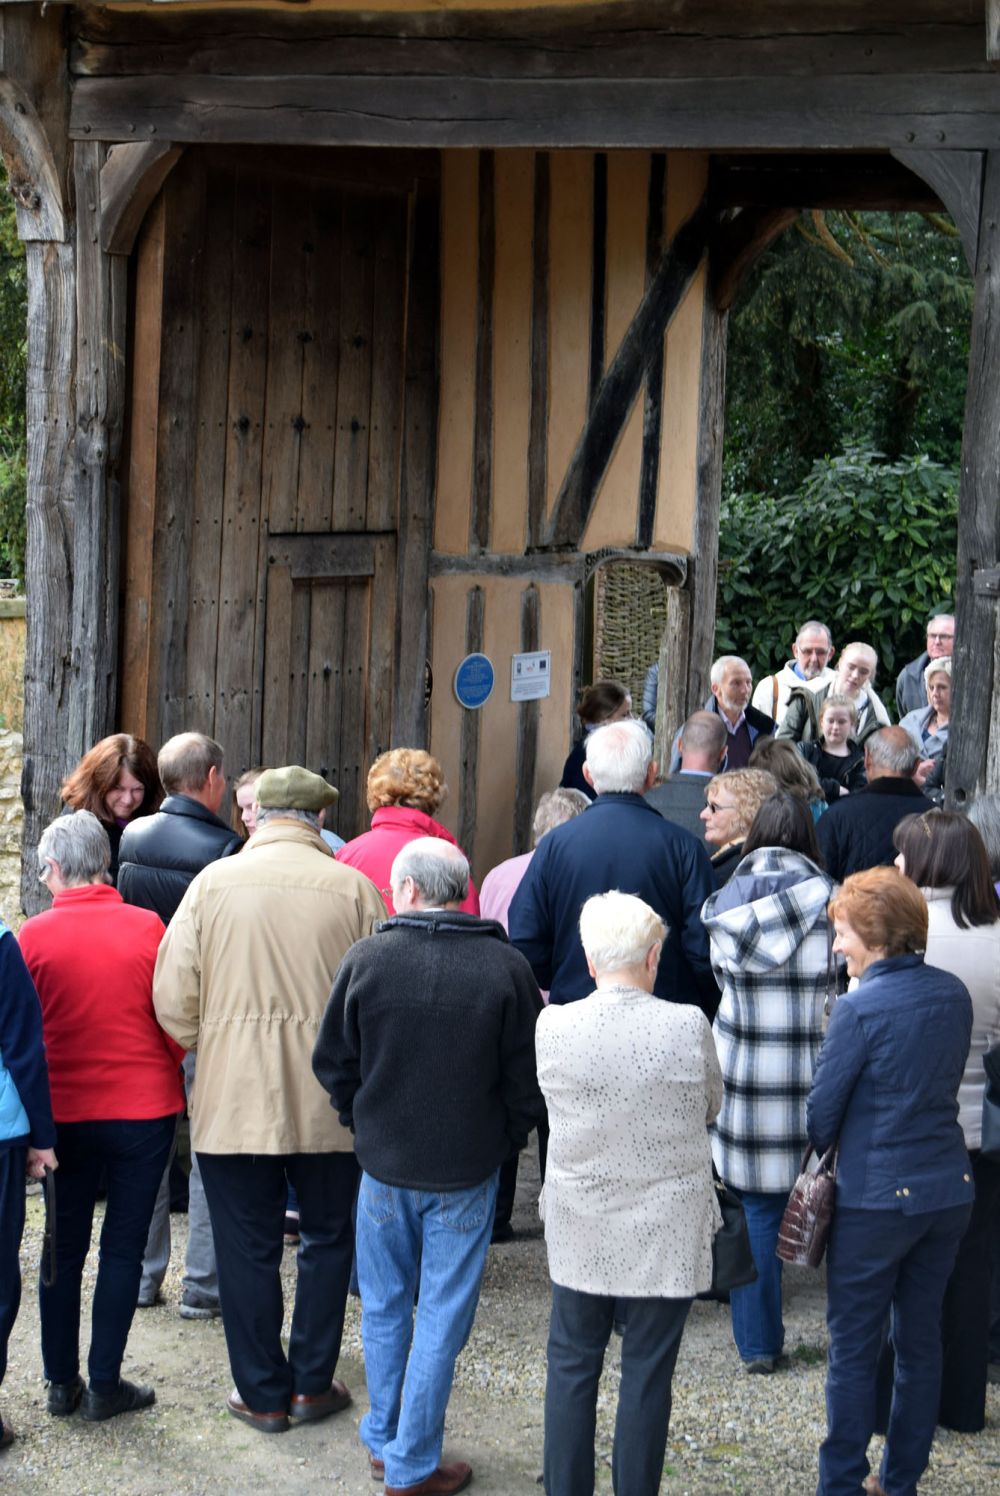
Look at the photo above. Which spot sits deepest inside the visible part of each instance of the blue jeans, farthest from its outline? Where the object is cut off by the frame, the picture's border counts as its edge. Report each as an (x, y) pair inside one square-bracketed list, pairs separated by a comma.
[(879, 1260), (442, 1240), (134, 1155), (579, 1330), (758, 1328)]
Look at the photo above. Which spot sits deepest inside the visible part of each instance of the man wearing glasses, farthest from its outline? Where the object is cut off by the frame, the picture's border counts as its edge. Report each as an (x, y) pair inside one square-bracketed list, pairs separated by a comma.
[(911, 694)]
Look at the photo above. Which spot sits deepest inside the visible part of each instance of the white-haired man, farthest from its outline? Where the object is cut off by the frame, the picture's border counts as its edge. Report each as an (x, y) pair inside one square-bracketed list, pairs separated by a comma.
[(732, 687), (856, 832), (427, 1051), (809, 665), (855, 679), (619, 842)]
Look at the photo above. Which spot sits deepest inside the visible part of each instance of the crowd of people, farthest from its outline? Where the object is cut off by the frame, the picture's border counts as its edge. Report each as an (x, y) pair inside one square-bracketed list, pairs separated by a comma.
[(690, 980)]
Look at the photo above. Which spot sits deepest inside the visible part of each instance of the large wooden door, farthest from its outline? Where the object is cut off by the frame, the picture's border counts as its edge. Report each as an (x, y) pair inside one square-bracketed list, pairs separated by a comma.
[(269, 394), (328, 661)]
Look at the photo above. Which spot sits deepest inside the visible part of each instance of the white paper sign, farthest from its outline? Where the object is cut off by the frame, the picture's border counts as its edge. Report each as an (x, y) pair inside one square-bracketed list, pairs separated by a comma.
[(530, 675)]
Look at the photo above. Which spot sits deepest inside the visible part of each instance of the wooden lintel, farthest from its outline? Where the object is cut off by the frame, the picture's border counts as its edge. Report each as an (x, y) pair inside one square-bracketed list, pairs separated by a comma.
[(738, 243), (993, 31), (622, 379), (569, 567), (853, 180), (131, 177), (924, 110)]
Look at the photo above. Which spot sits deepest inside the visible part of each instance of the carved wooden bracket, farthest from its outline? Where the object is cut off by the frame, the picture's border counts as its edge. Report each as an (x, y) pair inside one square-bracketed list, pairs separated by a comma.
[(131, 177), (31, 168)]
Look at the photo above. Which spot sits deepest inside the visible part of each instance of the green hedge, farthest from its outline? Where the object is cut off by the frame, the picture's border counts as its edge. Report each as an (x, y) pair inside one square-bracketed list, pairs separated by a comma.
[(865, 545)]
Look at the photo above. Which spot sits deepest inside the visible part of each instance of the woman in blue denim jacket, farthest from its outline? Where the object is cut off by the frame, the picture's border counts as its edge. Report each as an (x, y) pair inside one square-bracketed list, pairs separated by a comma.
[(886, 1087)]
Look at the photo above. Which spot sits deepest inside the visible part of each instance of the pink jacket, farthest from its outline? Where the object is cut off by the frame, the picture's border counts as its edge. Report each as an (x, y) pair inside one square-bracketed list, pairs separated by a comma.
[(374, 851)]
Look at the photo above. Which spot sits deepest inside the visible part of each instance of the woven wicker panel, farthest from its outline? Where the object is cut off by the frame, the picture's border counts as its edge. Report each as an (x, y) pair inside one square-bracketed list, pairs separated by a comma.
[(630, 611)]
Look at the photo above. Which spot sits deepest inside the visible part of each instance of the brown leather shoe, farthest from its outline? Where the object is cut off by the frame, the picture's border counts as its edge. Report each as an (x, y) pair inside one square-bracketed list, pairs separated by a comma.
[(873, 1486), (264, 1423), (441, 1482), (306, 1408), (377, 1467)]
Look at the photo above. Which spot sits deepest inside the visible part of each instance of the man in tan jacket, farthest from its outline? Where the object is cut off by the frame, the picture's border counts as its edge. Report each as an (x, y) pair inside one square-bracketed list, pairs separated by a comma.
[(243, 976)]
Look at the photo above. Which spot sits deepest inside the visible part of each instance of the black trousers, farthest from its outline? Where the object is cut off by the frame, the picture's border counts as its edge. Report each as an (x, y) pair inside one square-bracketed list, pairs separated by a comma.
[(965, 1314), (246, 1196), (12, 1164)]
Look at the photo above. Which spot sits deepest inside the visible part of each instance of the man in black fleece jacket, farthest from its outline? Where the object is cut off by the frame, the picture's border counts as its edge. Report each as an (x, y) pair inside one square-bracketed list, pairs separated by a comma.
[(428, 1051)]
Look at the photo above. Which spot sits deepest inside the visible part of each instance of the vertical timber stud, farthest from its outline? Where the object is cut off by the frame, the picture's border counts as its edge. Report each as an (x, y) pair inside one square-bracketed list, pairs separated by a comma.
[(417, 469), (100, 402), (482, 466), (527, 730), (469, 782), (539, 415), (972, 742), (652, 405), (704, 566), (51, 421)]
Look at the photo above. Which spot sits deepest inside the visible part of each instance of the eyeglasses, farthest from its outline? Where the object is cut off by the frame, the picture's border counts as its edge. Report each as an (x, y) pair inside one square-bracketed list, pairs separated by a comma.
[(715, 808), (941, 638)]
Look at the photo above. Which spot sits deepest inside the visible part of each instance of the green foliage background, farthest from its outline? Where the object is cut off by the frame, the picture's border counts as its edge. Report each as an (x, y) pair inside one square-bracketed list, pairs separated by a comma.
[(866, 545), (845, 401)]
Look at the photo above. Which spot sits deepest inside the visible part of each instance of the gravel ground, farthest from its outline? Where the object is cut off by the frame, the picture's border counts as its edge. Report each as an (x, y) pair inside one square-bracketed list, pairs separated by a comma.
[(729, 1433)]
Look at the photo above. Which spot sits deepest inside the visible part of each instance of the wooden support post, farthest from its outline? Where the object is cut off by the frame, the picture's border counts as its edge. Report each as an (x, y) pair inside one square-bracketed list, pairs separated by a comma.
[(527, 730), (972, 743), (704, 565), (100, 400), (51, 421), (675, 651), (475, 607), (993, 30)]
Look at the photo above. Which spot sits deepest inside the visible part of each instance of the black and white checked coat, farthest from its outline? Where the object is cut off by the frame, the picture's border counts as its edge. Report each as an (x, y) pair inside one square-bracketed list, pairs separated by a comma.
[(768, 932)]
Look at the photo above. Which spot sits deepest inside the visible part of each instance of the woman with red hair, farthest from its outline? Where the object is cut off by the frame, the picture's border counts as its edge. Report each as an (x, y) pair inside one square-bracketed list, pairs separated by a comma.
[(116, 781)]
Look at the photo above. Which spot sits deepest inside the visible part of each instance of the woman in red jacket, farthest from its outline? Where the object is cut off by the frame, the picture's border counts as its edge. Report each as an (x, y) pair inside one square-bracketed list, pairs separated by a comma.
[(116, 1093), (405, 789)]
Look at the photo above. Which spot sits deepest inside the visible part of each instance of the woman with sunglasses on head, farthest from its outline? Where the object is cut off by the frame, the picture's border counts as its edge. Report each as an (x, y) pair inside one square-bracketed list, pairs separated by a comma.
[(944, 855), (731, 802)]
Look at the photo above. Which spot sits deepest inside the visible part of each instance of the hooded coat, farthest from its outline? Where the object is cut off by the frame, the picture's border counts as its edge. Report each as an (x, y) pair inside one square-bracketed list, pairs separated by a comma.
[(769, 934)]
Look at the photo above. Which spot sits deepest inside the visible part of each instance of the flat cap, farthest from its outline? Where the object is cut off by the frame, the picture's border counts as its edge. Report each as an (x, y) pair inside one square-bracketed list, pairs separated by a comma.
[(294, 788)]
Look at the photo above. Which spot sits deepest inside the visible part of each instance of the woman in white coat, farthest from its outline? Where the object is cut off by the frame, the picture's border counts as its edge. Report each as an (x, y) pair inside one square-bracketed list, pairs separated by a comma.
[(945, 856), (631, 1084)]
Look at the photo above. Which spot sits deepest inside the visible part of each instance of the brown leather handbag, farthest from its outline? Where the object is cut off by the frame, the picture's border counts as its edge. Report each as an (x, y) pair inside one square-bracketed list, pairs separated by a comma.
[(805, 1225)]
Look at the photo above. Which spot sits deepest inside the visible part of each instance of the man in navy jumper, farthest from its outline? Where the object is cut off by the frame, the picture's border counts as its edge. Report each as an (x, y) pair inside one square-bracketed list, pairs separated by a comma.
[(27, 1132), (427, 1049), (620, 842)]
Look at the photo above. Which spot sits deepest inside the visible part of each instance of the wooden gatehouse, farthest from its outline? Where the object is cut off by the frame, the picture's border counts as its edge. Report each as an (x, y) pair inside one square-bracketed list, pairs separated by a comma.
[(362, 337)]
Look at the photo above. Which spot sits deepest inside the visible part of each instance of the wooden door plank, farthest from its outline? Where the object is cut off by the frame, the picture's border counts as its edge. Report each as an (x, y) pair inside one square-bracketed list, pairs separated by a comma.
[(378, 686), (296, 750), (353, 708), (238, 579), (320, 361), (388, 330), (209, 460), (278, 667), (354, 388), (139, 519), (323, 555), (287, 331), (184, 197), (326, 663)]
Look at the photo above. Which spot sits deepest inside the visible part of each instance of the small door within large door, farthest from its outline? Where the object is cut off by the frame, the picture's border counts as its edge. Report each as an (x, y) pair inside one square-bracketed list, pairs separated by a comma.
[(327, 700)]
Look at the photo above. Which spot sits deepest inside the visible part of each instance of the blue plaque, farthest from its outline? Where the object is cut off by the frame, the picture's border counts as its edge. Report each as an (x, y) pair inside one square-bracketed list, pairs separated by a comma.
[(474, 681)]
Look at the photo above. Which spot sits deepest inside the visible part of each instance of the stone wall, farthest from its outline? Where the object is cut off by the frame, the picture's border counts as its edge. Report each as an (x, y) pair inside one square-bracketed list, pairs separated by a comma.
[(11, 821)]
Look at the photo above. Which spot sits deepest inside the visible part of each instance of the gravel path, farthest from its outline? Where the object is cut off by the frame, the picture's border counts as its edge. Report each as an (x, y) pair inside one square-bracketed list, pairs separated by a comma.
[(729, 1433)]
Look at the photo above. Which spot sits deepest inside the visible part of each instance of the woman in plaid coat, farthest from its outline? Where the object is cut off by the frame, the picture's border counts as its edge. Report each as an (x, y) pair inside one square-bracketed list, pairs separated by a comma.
[(769, 933)]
